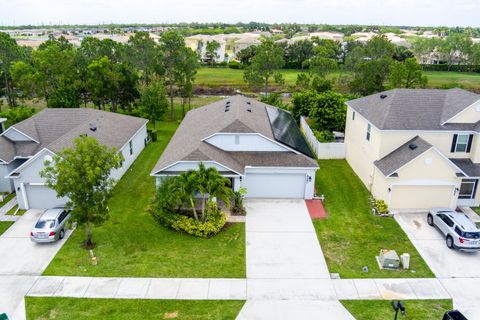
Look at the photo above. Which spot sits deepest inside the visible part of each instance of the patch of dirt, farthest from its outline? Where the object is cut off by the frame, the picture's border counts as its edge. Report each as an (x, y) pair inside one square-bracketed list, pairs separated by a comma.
[(170, 315)]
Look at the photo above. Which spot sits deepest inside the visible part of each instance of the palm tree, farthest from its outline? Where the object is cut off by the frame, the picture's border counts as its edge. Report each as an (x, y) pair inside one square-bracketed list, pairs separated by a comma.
[(219, 187), (212, 184), (185, 186)]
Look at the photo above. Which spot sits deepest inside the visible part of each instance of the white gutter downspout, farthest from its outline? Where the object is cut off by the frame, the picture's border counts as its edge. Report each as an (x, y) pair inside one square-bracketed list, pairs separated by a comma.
[(24, 195)]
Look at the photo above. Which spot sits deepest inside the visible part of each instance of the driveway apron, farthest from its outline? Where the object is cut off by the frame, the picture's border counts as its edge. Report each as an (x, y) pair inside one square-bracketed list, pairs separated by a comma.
[(286, 270), (22, 260)]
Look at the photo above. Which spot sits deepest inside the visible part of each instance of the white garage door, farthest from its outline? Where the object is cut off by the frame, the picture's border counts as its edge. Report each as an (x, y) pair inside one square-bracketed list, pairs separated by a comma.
[(275, 185), (42, 197), (421, 197)]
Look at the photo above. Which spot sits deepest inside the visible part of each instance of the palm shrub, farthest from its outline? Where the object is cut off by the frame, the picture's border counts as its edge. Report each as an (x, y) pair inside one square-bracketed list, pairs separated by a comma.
[(237, 207), (176, 201)]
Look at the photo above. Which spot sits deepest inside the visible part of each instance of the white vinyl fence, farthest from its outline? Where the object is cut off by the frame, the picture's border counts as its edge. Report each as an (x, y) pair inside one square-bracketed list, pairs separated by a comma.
[(326, 150)]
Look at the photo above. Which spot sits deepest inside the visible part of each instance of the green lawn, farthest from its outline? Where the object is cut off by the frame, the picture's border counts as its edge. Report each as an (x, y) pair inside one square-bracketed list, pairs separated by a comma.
[(132, 244), (351, 236), (72, 308), (4, 225), (226, 77), (12, 211), (382, 309), (7, 199)]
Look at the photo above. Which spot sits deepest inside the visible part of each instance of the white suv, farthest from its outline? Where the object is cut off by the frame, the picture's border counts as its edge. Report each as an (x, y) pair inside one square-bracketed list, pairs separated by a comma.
[(460, 232)]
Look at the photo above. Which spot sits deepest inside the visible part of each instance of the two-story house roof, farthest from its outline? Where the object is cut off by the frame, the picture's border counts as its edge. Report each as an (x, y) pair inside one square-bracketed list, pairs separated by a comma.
[(258, 146), (416, 148), (25, 146)]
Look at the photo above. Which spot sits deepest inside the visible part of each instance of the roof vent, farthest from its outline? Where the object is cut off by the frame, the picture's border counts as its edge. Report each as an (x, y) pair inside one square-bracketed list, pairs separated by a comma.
[(412, 146), (249, 110), (383, 96), (226, 109), (249, 103), (93, 128)]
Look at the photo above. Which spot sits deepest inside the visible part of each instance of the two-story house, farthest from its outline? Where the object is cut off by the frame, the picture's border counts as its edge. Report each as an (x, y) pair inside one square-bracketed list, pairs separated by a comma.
[(416, 148), (257, 146)]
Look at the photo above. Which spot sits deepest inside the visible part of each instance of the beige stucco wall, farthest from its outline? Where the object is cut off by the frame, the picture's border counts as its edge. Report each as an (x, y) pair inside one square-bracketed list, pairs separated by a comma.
[(391, 140), (427, 181), (361, 153), (469, 115)]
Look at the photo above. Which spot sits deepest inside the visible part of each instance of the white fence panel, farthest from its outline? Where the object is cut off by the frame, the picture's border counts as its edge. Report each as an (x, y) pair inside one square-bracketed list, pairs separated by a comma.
[(327, 150)]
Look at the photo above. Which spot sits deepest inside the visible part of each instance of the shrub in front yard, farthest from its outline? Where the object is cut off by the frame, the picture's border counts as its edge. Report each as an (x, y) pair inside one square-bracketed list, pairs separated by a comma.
[(184, 223), (176, 202), (238, 208)]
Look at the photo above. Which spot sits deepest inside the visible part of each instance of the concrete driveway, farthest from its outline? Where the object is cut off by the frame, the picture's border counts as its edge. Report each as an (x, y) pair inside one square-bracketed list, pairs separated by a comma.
[(21, 256), (430, 243)]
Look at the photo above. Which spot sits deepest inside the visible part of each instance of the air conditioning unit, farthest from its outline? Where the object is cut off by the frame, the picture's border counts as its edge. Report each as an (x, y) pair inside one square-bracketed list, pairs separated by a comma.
[(389, 259)]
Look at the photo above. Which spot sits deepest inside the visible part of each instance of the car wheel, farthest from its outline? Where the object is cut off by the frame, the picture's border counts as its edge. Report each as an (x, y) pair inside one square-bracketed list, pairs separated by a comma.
[(449, 242), (62, 234), (430, 219)]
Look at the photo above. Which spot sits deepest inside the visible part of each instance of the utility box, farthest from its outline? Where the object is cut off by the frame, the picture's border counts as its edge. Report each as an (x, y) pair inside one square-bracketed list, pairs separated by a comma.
[(405, 260), (389, 259)]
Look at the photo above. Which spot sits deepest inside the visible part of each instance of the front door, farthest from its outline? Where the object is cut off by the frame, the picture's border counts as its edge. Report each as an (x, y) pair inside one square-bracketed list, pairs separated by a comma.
[(468, 190)]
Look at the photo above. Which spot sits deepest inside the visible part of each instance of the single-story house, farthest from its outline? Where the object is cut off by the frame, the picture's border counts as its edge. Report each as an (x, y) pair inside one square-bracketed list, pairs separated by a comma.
[(416, 148), (255, 145), (25, 146)]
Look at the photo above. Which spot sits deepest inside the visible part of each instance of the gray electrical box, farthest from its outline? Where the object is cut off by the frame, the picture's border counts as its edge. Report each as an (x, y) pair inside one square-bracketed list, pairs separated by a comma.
[(389, 259)]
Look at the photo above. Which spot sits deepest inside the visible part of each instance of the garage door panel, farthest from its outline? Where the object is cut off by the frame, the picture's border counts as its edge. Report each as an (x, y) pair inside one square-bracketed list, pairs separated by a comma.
[(275, 185), (42, 197), (421, 197)]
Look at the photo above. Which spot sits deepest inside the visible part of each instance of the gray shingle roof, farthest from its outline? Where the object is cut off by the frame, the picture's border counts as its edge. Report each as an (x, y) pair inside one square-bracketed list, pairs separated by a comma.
[(55, 129), (198, 124), (415, 109), (402, 155), (468, 167)]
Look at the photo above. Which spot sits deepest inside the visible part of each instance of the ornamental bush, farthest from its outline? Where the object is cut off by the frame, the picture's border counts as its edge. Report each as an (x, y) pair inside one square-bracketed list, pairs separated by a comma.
[(184, 223)]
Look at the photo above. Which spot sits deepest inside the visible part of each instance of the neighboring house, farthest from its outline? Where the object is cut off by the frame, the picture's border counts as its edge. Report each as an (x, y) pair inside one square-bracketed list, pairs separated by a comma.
[(198, 43), (246, 42), (256, 146), (416, 148), (25, 146)]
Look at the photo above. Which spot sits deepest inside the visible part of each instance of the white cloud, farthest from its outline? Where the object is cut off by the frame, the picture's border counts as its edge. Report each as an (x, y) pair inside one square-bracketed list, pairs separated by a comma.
[(388, 12)]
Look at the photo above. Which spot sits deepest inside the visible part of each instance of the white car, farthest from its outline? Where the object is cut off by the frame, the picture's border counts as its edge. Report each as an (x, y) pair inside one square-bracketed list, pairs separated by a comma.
[(460, 232)]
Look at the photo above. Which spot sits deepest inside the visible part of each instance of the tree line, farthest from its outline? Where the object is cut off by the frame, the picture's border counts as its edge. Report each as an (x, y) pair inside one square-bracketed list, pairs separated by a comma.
[(137, 76), (373, 66)]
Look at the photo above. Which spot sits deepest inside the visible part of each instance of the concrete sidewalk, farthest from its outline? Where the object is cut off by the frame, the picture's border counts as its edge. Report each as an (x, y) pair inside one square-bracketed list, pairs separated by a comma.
[(140, 288)]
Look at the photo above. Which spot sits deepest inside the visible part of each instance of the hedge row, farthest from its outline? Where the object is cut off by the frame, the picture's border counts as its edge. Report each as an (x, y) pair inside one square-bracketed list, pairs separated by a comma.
[(455, 67)]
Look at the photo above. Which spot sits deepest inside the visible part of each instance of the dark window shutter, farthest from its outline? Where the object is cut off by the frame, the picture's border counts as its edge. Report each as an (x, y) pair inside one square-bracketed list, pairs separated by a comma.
[(454, 143), (469, 145)]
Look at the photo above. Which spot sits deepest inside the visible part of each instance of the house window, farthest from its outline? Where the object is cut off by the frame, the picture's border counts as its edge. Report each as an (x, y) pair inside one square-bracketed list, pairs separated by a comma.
[(369, 131), (353, 115), (130, 145), (468, 189), (237, 139), (462, 143)]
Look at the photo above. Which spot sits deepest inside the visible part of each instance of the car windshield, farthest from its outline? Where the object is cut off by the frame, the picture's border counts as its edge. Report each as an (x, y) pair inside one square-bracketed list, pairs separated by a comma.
[(45, 224)]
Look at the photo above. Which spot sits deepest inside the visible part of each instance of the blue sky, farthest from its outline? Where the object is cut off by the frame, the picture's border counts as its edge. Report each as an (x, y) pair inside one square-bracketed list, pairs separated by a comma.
[(385, 12)]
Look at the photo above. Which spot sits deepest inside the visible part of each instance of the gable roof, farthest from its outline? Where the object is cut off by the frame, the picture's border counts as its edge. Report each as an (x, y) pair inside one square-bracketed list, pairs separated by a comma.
[(402, 155), (415, 109), (55, 129), (244, 115)]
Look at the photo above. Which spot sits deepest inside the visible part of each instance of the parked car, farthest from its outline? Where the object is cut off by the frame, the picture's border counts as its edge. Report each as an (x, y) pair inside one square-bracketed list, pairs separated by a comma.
[(51, 225), (460, 232)]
